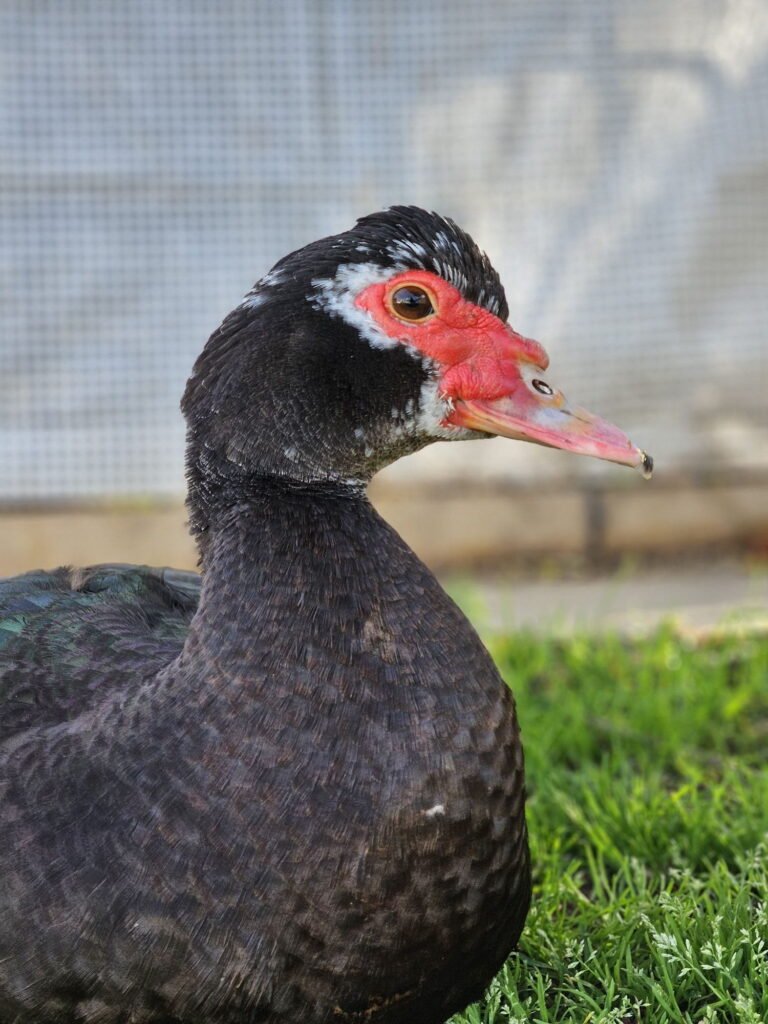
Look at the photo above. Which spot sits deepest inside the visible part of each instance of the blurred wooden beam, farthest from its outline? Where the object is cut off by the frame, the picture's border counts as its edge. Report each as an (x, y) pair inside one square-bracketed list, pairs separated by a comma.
[(449, 528)]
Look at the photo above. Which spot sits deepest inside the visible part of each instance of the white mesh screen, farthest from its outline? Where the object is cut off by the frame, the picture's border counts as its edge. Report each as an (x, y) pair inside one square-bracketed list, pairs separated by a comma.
[(156, 158)]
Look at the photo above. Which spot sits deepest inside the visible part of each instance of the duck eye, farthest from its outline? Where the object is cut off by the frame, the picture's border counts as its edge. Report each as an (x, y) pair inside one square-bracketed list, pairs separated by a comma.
[(411, 303)]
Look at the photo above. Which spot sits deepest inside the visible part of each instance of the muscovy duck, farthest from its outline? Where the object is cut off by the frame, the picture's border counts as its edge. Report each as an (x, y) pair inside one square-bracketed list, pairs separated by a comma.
[(289, 789)]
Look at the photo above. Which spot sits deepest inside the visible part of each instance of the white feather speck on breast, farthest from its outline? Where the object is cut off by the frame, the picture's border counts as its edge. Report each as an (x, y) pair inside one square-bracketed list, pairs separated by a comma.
[(434, 812)]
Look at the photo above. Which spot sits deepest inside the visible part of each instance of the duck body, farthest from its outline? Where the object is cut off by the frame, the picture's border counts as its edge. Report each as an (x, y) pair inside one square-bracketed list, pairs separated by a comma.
[(289, 789), (299, 817)]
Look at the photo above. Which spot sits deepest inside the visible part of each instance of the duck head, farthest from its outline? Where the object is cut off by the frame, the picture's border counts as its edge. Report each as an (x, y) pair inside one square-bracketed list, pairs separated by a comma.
[(366, 346)]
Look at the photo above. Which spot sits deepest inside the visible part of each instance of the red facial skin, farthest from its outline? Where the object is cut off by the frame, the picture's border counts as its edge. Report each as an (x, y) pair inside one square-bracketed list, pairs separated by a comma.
[(488, 373), (480, 353)]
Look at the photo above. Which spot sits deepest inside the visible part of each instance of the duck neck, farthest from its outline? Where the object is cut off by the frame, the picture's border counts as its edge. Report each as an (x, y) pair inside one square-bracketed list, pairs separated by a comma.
[(294, 564)]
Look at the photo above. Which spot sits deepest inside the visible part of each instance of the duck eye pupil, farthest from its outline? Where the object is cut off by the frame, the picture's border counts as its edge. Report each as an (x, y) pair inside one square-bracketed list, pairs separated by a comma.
[(412, 303)]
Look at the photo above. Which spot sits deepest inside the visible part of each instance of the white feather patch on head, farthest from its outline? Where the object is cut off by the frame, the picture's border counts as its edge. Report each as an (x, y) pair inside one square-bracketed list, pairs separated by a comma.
[(254, 299), (449, 248), (452, 275), (409, 252), (337, 294), (426, 417), (491, 303), (442, 242), (415, 254), (433, 408), (258, 295), (272, 278)]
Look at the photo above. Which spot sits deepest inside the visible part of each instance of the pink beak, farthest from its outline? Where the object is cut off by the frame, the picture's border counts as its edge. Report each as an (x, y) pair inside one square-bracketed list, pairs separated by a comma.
[(529, 409)]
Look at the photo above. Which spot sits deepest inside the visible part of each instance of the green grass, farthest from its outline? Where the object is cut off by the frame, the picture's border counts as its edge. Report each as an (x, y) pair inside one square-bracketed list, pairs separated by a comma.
[(648, 811)]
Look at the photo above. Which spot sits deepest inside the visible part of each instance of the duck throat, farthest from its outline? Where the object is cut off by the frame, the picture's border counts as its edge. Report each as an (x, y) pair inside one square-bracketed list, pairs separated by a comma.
[(302, 580), (222, 484)]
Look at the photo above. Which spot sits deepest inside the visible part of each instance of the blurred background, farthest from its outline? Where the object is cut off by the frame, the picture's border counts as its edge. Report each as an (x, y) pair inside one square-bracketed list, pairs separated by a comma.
[(611, 157)]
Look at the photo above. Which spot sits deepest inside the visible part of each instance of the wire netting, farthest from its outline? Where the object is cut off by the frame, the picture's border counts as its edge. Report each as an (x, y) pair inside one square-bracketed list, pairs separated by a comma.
[(156, 158)]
